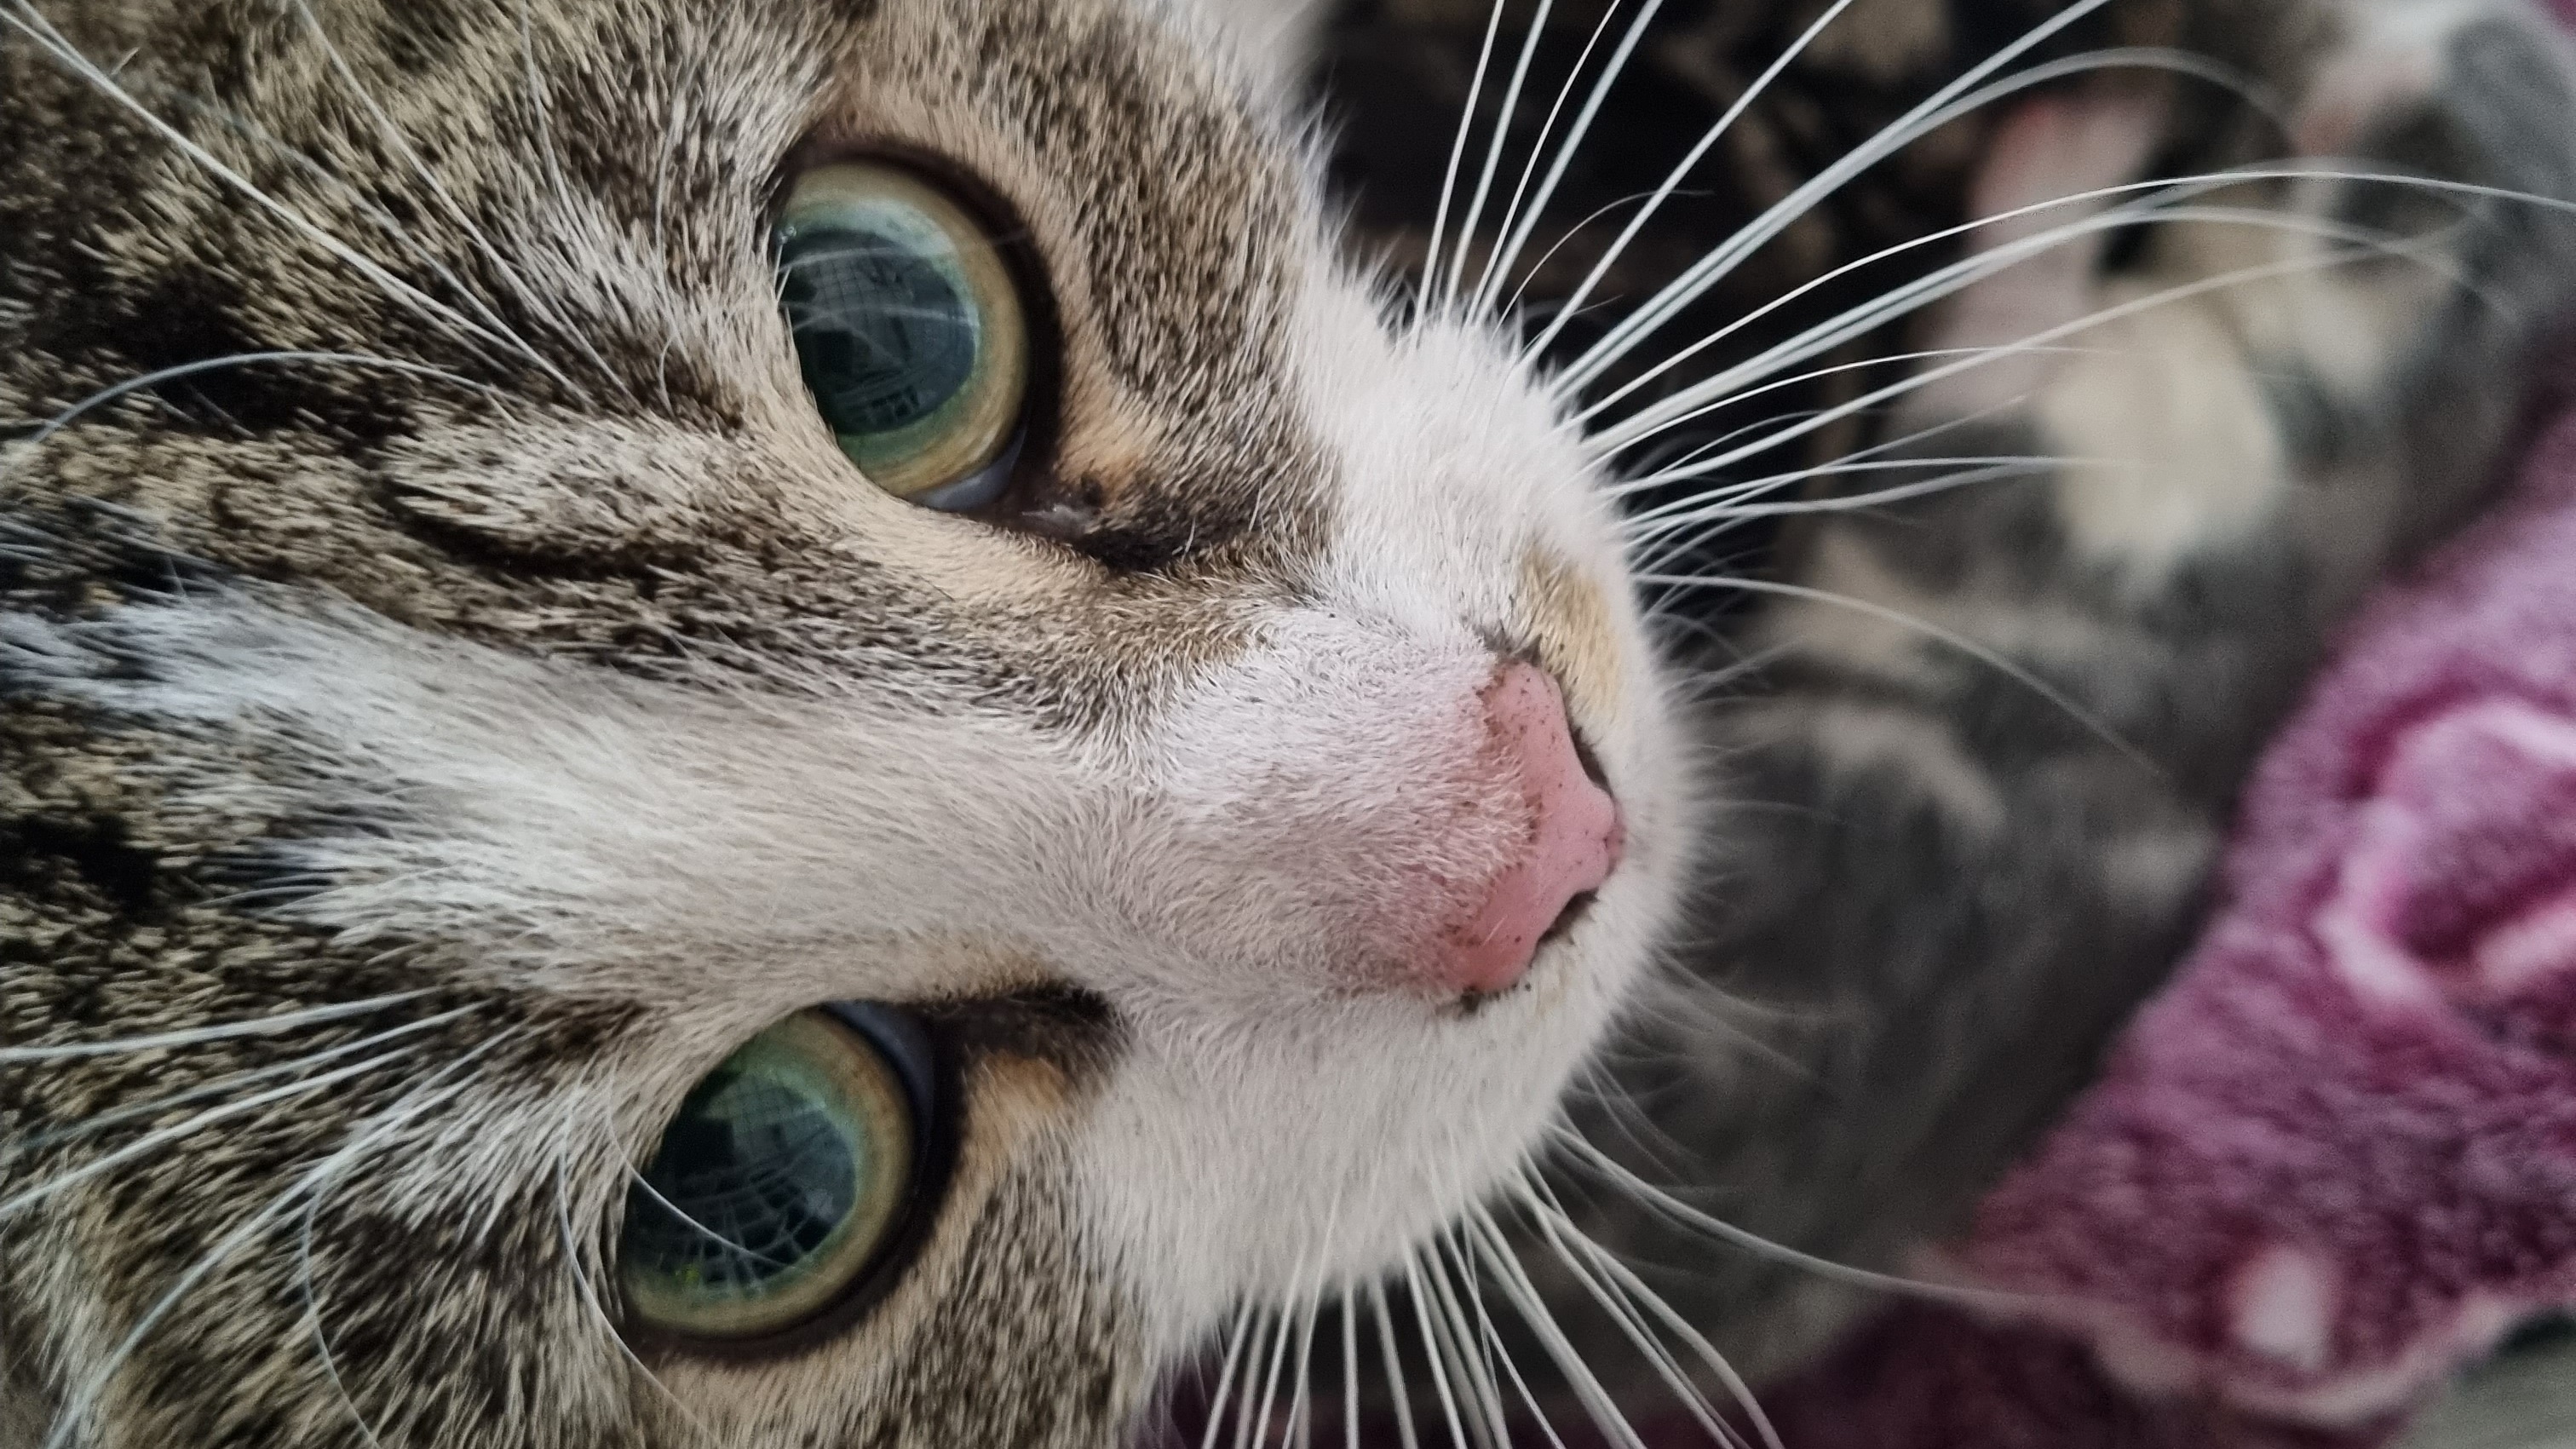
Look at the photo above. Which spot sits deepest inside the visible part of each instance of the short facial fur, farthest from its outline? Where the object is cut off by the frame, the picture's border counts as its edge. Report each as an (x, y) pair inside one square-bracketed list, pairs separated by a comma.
[(464, 695)]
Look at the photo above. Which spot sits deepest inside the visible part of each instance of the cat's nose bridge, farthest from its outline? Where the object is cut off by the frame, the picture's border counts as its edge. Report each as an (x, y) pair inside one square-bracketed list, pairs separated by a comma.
[(1574, 841)]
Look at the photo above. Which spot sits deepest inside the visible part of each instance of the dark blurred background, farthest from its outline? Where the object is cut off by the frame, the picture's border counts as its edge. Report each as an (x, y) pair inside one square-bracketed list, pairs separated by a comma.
[(1395, 76)]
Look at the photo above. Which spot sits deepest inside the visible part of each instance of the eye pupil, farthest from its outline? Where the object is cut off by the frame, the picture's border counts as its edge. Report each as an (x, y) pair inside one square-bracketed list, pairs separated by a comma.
[(752, 1179), (782, 1180), (886, 339), (909, 330)]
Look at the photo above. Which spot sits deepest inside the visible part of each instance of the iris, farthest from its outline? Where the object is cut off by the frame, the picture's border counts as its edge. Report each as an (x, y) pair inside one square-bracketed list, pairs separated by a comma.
[(909, 330), (782, 1178)]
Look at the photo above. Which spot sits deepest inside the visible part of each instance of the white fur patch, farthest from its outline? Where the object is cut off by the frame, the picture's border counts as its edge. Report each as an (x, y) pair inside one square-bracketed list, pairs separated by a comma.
[(2284, 1307)]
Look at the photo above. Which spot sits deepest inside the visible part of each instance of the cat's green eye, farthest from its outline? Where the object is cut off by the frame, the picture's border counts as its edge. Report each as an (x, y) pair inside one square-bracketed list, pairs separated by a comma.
[(787, 1174), (910, 330)]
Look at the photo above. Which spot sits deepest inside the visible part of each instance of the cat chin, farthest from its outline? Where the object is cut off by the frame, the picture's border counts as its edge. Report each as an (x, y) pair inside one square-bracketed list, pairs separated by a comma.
[(1321, 1152)]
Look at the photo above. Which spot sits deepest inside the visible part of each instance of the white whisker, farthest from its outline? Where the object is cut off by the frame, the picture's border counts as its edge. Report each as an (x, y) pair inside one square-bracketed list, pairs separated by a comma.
[(1466, 1351), (132, 385), (385, 221), (1712, 503), (1350, 1368), (2091, 723), (1557, 1227), (1674, 451), (1935, 110), (1719, 517), (1712, 683), (1252, 1424), (322, 1336), (1300, 1425), (1494, 153), (2159, 186), (1565, 152), (1524, 1295), (2155, 195), (1683, 1214), (101, 1121), (1713, 268), (1299, 1430), (1496, 1350), (1681, 534), (285, 1021), (1730, 501), (312, 1300), (1387, 1349), (1955, 422), (1544, 308), (1959, 276), (1988, 356), (590, 1295), (1440, 1376), (154, 1141), (30, 22), (1680, 1327), (75, 1411), (1690, 162), (1513, 224), (527, 296), (636, 1179), (1234, 1341), (1457, 157), (1692, 462), (1723, 387)]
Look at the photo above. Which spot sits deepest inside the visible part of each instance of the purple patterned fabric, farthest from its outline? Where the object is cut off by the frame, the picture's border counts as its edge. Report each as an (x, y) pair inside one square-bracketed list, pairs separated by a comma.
[(2336, 1161)]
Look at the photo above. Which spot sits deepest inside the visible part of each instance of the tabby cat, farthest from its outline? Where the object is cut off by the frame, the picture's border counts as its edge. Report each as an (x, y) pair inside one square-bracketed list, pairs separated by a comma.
[(796, 723)]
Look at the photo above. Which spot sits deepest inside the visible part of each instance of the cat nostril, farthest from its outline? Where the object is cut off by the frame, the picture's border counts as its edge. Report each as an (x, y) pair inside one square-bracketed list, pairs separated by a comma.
[(1575, 839)]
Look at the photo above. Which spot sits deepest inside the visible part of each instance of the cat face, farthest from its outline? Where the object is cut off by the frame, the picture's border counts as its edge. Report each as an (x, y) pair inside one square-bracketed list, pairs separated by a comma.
[(470, 695)]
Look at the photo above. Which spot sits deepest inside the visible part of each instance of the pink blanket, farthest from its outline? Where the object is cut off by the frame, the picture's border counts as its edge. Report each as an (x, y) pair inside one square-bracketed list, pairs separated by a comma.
[(2336, 1160)]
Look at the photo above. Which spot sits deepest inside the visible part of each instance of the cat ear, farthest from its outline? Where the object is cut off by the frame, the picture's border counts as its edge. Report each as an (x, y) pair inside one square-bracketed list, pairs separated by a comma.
[(1277, 38)]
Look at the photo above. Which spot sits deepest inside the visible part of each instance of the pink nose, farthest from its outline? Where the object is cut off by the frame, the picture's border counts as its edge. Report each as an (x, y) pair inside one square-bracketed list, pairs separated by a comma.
[(1575, 837)]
